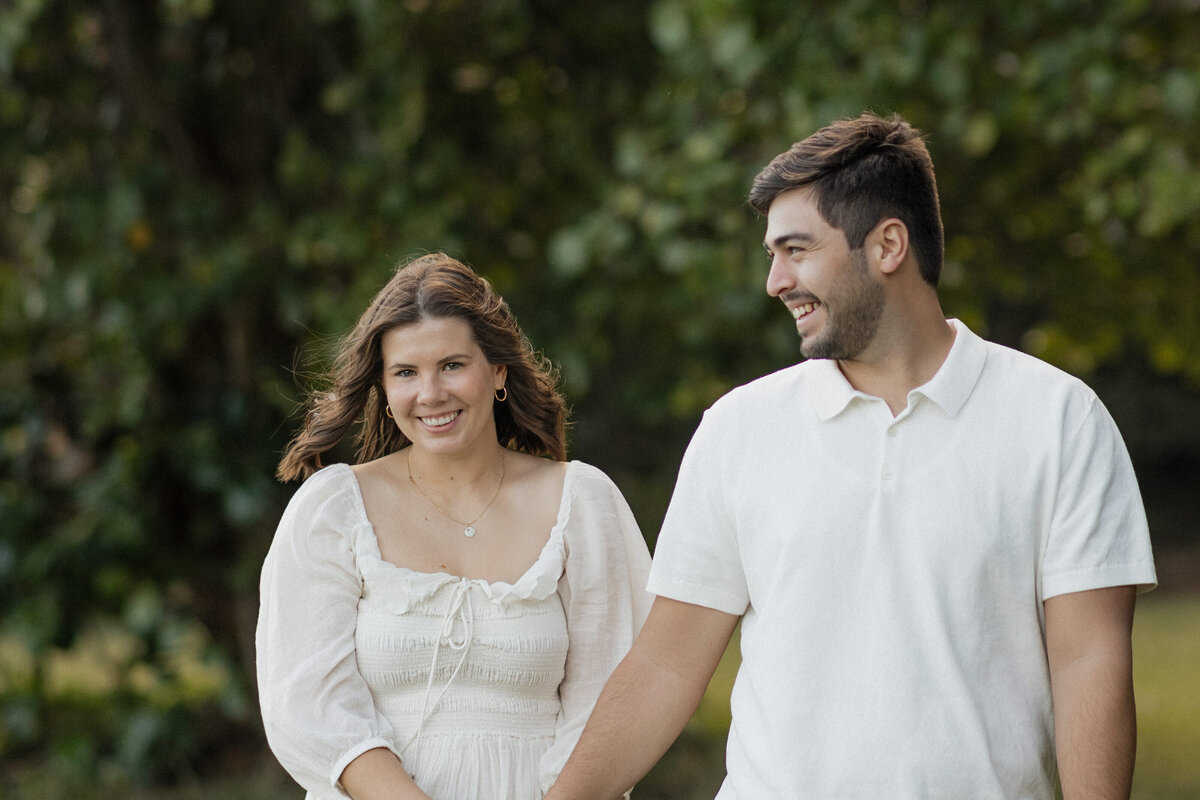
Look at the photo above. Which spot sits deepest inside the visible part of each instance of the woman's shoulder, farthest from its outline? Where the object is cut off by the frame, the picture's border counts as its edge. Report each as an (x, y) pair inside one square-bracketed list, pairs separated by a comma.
[(536, 475), (331, 491), (380, 473), (517, 461), (590, 496), (331, 479), (584, 477), (565, 479), (596, 519)]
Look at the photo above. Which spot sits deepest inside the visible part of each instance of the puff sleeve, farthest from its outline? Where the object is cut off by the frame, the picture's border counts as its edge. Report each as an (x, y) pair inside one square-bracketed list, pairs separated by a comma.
[(317, 710), (603, 594)]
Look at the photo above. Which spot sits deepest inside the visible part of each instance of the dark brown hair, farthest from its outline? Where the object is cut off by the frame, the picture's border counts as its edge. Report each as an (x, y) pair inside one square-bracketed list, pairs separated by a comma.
[(532, 418), (862, 171)]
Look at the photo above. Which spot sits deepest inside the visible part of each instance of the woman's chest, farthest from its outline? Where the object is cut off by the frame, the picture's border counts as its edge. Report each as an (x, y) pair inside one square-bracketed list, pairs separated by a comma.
[(459, 633)]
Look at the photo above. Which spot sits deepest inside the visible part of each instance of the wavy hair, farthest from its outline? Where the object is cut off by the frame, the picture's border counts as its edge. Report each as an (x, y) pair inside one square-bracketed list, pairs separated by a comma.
[(532, 419), (861, 171)]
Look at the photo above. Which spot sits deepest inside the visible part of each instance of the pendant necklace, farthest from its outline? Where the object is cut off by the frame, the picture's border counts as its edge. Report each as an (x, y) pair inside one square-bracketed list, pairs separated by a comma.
[(468, 527)]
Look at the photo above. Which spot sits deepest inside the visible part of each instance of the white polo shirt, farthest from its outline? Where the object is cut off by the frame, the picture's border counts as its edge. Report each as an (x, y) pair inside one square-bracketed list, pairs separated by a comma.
[(891, 571)]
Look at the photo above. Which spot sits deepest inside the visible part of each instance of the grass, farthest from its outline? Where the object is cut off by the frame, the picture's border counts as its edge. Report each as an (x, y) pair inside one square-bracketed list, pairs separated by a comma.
[(1166, 650), (1166, 673)]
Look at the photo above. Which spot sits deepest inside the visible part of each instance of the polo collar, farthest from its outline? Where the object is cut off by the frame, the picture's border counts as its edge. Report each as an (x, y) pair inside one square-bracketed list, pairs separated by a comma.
[(952, 384), (831, 391), (949, 388)]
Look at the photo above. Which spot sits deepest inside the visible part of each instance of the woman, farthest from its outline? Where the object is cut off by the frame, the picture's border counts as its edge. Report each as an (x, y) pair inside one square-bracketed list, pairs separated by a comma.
[(438, 619)]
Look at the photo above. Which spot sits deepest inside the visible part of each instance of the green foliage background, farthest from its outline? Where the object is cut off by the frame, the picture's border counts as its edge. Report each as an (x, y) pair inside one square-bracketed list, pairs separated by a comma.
[(197, 195)]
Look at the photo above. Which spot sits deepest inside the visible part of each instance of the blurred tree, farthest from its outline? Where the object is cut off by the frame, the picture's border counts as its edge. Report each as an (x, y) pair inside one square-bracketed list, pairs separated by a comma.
[(195, 191)]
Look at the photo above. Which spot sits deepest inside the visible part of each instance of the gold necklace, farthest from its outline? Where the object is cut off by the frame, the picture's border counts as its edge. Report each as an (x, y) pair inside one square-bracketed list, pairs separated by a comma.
[(468, 527)]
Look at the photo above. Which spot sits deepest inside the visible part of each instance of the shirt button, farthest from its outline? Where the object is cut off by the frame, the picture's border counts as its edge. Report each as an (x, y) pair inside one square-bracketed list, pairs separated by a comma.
[(893, 432), (887, 473)]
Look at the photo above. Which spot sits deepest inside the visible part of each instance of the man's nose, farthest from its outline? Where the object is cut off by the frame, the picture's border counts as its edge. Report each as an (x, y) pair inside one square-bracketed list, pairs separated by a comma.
[(780, 278)]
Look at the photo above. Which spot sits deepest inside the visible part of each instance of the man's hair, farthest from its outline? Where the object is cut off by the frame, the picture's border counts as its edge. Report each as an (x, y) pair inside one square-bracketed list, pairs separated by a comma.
[(861, 171)]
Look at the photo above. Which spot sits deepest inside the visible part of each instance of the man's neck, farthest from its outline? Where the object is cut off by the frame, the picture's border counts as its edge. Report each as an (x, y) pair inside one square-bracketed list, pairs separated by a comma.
[(909, 359)]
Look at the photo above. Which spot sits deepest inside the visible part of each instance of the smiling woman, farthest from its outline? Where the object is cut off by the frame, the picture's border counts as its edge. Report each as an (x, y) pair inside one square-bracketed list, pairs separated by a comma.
[(439, 387), (437, 619), (433, 287)]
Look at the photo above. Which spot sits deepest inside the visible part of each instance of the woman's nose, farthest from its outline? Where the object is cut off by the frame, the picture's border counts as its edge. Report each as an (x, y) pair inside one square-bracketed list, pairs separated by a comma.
[(431, 388)]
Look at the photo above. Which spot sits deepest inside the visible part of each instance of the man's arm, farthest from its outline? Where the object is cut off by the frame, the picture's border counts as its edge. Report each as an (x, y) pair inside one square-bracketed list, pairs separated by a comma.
[(1091, 680), (646, 702)]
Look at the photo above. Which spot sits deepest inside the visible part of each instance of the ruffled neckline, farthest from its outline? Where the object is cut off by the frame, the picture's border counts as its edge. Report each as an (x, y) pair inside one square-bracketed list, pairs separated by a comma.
[(538, 582)]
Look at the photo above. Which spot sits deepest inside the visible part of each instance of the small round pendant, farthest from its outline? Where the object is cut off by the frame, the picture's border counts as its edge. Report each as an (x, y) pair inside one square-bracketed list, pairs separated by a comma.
[(469, 531)]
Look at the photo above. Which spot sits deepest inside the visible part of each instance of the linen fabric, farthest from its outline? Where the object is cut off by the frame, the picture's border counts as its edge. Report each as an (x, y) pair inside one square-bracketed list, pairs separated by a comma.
[(482, 689), (891, 570)]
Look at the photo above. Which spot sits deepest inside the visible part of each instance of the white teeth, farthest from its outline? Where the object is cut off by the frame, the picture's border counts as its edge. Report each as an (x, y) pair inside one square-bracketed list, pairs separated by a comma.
[(433, 422), (807, 308)]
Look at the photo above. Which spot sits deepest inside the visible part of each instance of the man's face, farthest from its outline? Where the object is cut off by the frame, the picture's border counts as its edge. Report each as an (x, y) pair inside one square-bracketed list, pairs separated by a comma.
[(836, 301)]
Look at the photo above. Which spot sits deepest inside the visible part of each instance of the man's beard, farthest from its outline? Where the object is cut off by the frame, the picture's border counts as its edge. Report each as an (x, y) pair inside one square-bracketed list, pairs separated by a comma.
[(853, 320)]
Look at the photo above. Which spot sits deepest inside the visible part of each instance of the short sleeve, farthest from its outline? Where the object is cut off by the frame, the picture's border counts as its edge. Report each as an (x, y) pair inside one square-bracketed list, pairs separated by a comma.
[(317, 710), (696, 559), (603, 594), (1098, 536)]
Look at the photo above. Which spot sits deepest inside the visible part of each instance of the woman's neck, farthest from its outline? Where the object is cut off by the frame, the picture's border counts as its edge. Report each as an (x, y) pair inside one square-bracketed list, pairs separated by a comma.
[(478, 467)]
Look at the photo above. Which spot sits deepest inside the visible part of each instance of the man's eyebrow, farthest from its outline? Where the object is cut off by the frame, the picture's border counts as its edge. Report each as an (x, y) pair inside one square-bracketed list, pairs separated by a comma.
[(806, 238)]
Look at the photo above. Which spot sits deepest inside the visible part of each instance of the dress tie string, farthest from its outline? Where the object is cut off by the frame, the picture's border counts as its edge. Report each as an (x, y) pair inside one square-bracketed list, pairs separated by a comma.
[(459, 612)]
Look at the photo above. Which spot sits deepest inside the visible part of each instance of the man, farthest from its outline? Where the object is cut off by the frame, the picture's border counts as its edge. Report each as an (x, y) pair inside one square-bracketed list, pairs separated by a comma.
[(933, 542)]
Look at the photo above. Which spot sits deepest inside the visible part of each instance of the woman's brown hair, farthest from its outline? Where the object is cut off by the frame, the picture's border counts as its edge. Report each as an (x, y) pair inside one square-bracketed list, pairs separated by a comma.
[(532, 419)]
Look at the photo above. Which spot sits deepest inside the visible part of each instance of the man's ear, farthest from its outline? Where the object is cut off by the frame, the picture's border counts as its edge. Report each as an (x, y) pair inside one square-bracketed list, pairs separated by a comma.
[(890, 244)]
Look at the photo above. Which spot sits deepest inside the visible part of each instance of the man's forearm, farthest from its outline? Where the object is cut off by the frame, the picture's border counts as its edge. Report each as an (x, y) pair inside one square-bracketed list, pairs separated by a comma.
[(646, 702), (634, 723), (1091, 680), (1095, 730)]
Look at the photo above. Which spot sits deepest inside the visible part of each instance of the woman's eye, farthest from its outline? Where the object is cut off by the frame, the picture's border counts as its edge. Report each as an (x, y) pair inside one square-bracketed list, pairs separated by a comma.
[(452, 365)]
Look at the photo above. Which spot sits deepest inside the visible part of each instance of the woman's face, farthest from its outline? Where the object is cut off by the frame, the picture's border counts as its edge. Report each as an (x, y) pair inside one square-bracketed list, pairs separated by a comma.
[(439, 386)]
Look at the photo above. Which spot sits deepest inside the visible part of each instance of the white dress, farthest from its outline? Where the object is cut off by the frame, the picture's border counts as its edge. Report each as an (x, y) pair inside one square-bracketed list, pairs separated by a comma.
[(480, 688)]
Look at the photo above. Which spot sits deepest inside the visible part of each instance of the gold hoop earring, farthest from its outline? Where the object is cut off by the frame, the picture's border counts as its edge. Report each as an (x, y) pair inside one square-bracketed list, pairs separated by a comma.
[(502, 394), (388, 411)]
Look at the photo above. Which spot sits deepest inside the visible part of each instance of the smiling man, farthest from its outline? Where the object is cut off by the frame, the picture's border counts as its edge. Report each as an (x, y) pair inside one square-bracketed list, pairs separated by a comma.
[(933, 543)]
